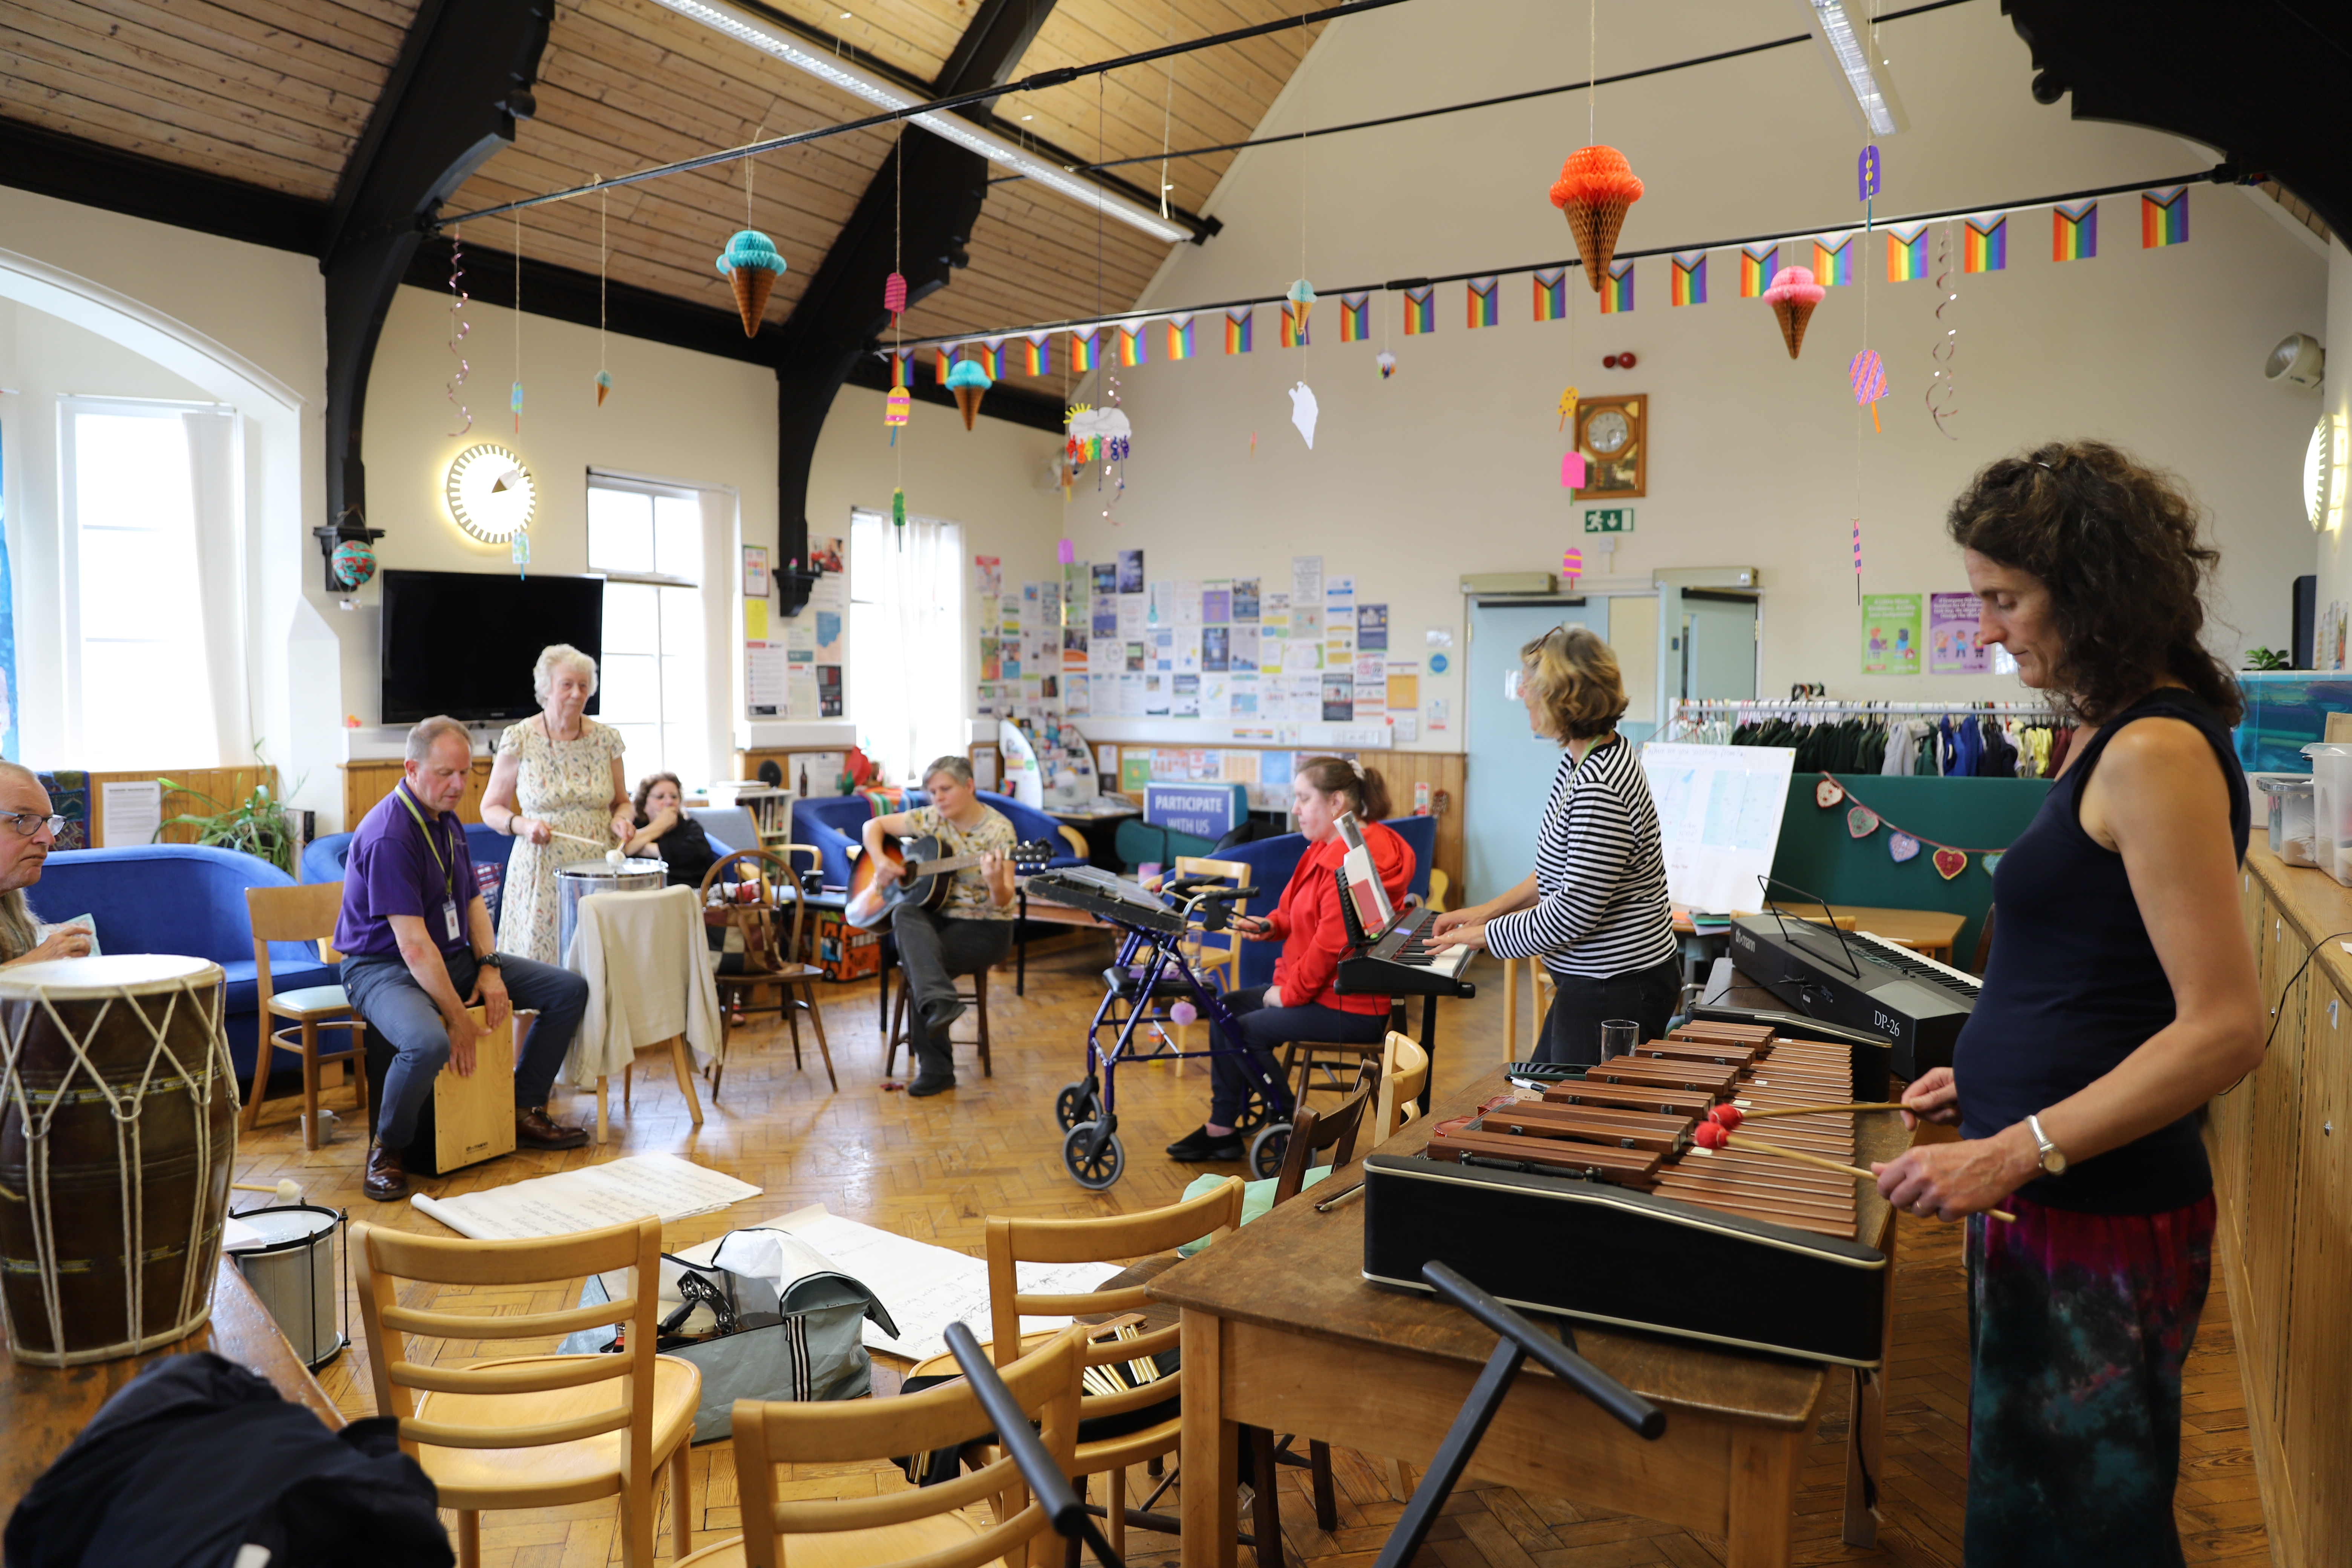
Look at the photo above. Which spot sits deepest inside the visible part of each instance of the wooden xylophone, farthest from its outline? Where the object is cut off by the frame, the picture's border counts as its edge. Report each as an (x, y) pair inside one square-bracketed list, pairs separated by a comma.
[(1597, 1200)]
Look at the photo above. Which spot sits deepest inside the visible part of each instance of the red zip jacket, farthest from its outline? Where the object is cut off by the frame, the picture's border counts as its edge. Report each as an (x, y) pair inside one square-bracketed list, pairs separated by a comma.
[(1313, 932)]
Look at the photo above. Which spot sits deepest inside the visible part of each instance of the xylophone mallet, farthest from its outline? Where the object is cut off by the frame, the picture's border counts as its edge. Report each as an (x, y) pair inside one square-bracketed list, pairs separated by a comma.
[(1729, 1117), (1715, 1135)]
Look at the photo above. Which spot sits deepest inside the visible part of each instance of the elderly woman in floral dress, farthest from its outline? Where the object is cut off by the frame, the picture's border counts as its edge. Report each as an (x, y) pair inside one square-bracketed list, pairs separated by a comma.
[(557, 772)]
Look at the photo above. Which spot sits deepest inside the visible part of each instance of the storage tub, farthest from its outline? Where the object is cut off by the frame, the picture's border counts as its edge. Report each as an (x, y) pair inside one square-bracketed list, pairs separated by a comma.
[(2290, 798), (2331, 808)]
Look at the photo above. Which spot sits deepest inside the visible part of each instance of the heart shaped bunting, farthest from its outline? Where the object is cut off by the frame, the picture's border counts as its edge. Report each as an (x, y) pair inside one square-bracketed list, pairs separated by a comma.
[(1860, 821), (1901, 846), (1951, 863), (1991, 862), (1828, 792)]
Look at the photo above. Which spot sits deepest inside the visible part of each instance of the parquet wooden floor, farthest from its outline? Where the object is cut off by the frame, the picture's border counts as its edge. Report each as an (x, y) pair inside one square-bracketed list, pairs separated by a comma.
[(933, 1168)]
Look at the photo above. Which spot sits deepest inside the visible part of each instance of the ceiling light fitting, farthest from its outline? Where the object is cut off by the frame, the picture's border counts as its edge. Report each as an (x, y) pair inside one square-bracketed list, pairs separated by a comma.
[(1847, 43), (745, 28)]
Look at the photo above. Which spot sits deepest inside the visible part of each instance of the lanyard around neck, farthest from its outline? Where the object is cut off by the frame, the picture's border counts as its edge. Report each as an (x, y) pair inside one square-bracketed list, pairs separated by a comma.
[(431, 840)]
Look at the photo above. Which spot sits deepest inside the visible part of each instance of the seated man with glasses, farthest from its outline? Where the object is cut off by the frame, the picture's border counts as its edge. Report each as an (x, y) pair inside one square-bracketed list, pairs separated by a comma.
[(29, 833)]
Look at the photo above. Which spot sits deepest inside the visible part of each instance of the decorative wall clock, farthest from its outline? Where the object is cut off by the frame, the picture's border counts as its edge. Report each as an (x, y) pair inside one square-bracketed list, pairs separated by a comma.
[(491, 493)]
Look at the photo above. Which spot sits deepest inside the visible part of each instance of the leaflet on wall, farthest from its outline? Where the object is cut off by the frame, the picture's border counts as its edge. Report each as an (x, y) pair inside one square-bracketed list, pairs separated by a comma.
[(765, 673), (987, 575), (1952, 636), (1371, 626), (1155, 694), (828, 691), (1105, 614), (1133, 616), (1184, 697), (1188, 596), (1890, 634), (1216, 649), (1275, 612), (1242, 645), (1130, 571), (1245, 599), (1339, 699), (1106, 578), (1307, 579), (1217, 602), (1077, 695)]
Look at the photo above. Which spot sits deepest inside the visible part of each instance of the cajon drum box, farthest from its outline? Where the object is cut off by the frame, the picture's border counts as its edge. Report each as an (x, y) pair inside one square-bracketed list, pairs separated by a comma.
[(465, 1121)]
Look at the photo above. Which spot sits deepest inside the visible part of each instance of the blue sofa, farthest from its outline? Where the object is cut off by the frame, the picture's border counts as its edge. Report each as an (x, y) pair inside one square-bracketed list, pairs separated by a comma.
[(1272, 861), (833, 823), (181, 899)]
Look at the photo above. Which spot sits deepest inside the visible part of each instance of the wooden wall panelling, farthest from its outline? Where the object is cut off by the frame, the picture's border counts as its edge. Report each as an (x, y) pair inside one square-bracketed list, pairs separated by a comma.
[(2315, 1434), (2273, 1156), (227, 787), (366, 783)]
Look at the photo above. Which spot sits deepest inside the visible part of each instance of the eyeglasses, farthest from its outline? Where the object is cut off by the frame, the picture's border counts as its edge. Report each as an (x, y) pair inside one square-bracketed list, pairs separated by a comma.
[(26, 824)]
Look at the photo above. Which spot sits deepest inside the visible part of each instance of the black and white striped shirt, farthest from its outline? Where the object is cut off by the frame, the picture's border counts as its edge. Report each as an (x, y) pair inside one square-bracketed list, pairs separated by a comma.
[(1600, 874)]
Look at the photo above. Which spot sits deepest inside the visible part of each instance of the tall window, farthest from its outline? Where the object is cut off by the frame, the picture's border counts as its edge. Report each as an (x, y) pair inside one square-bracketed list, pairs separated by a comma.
[(907, 687), (147, 495), (648, 541)]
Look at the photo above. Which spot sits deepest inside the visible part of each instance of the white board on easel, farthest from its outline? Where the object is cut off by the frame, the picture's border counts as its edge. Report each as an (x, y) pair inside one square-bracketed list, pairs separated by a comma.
[(1719, 819)]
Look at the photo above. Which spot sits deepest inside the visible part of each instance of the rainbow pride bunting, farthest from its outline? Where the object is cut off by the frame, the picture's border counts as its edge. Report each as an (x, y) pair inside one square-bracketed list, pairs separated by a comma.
[(1987, 249), (1034, 355), (1420, 310), (1180, 337), (1355, 313), (1294, 330), (1690, 278), (1757, 265), (939, 365), (1132, 350), (902, 367), (1481, 307), (2073, 231), (1551, 293), (1238, 322), (1833, 264), (1085, 351), (989, 354), (1617, 290), (1906, 253), (2163, 218)]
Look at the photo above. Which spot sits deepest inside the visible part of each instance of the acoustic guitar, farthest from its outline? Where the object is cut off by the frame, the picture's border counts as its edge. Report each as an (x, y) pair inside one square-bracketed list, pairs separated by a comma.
[(924, 874)]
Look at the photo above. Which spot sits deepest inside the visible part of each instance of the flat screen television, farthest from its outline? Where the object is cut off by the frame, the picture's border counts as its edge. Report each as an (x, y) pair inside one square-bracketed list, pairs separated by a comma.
[(463, 643)]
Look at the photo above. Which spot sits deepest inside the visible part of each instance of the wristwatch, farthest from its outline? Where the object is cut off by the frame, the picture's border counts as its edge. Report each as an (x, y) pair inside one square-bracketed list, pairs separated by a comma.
[(498, 961), (2054, 1158)]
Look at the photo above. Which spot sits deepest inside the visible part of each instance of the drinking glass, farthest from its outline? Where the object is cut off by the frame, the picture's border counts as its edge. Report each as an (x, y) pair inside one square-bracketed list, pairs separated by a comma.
[(1619, 1037)]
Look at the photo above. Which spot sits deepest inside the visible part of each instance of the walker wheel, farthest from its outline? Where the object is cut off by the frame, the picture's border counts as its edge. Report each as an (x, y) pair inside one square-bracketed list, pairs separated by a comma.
[(1093, 1171), (1076, 1103), (1267, 1149), (1252, 1116)]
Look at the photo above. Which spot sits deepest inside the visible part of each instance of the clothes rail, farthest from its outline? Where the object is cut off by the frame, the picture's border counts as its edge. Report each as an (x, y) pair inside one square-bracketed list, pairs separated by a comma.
[(1856, 708)]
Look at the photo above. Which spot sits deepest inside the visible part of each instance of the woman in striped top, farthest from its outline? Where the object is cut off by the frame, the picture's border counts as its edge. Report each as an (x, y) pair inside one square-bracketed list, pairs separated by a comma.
[(1595, 909)]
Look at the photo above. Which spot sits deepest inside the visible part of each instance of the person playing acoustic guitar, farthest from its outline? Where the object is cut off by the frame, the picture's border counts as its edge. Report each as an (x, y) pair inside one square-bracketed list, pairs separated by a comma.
[(966, 935)]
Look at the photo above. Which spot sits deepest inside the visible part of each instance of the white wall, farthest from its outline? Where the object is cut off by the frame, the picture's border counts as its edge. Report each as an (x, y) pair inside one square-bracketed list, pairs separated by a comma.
[(1452, 466), (2335, 397)]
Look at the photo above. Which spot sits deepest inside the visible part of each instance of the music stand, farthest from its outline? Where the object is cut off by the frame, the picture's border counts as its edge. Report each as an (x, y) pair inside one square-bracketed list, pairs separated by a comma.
[(1829, 920)]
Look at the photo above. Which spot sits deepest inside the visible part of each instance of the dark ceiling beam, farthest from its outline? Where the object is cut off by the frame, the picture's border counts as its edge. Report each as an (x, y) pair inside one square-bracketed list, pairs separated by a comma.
[(2263, 80), (463, 79), (915, 217), (92, 175)]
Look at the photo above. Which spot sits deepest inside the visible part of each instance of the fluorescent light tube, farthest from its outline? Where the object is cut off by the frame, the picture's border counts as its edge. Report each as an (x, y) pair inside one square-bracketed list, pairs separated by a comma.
[(745, 28), (1846, 43)]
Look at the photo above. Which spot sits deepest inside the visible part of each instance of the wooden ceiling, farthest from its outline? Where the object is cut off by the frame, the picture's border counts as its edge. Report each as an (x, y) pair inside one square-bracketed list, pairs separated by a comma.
[(275, 92)]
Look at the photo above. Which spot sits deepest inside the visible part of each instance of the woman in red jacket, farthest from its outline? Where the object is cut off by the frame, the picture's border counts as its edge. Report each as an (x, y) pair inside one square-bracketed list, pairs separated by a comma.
[(1300, 1004)]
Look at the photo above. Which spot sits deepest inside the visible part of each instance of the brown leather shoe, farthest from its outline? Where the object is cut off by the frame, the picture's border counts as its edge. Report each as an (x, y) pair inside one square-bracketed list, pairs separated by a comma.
[(387, 1177), (534, 1130)]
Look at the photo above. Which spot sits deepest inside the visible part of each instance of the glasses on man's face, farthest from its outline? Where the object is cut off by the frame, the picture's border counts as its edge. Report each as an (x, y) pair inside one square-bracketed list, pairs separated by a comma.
[(27, 824)]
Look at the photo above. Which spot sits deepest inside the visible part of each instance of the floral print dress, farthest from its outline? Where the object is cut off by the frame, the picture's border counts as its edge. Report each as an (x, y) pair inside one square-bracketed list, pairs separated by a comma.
[(568, 785)]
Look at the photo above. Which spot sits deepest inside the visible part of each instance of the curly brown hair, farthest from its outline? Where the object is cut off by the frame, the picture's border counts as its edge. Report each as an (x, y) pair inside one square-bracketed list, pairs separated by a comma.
[(645, 787), (2120, 546)]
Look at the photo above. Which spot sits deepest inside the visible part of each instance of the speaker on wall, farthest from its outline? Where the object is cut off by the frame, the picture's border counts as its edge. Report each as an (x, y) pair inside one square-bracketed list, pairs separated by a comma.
[(2307, 619)]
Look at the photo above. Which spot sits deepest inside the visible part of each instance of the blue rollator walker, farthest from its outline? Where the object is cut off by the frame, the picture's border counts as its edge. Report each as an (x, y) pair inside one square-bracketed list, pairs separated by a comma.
[(1151, 972)]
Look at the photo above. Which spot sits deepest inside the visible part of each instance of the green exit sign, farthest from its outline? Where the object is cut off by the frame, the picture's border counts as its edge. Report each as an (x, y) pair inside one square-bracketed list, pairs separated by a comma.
[(1609, 519)]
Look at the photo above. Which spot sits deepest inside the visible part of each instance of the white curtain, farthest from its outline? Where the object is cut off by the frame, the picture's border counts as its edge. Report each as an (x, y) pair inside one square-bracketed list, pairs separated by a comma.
[(214, 472), (908, 697)]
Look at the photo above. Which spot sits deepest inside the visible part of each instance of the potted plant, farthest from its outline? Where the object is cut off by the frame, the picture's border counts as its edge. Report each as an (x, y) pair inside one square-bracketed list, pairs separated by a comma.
[(260, 824)]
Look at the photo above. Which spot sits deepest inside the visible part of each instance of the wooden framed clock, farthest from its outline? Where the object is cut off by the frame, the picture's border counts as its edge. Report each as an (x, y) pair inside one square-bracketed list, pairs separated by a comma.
[(1613, 434)]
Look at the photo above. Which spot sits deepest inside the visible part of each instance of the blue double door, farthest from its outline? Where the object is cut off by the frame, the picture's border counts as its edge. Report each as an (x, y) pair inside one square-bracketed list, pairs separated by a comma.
[(1510, 768)]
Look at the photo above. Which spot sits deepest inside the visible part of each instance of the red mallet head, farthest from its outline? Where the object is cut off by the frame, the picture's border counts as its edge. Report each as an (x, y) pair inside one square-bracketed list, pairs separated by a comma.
[(1726, 1117), (1710, 1135)]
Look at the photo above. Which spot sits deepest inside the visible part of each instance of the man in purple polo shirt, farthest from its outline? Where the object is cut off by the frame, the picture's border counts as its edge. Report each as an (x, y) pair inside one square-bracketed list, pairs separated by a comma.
[(418, 952)]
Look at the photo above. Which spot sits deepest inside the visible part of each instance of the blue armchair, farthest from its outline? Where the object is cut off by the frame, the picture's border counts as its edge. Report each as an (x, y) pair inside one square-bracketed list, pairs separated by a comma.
[(833, 823), (324, 859), (181, 899)]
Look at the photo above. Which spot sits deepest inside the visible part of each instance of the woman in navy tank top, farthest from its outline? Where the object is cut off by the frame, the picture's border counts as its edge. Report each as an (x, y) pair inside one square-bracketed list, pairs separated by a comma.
[(2120, 996)]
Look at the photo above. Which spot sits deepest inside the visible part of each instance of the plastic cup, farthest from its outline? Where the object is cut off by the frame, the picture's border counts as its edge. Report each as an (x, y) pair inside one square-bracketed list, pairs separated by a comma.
[(1619, 1037)]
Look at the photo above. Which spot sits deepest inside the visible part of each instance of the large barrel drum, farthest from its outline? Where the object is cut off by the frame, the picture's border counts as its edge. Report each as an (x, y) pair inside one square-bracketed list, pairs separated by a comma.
[(118, 1129)]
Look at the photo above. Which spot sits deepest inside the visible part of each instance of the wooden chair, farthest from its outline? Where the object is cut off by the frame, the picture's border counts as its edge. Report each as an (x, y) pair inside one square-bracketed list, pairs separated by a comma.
[(534, 1431), (1440, 885), (917, 1526), (1217, 953), (1340, 1062), (1404, 1072), (772, 955), (1540, 986), (976, 998), (304, 913)]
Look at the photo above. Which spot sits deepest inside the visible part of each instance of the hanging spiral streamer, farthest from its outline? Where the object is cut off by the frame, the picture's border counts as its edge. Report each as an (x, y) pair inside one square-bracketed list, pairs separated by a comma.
[(1943, 390), (459, 328)]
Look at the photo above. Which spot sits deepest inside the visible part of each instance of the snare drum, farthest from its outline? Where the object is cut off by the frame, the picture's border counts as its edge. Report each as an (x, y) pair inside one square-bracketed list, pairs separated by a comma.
[(293, 1272), (118, 1129)]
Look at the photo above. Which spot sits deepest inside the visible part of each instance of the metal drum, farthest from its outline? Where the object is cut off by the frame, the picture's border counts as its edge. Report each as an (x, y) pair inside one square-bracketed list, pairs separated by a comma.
[(586, 879), (293, 1272), (118, 1129)]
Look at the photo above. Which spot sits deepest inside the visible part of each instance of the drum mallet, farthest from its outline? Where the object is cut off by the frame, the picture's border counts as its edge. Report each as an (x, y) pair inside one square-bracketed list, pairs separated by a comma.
[(287, 1190)]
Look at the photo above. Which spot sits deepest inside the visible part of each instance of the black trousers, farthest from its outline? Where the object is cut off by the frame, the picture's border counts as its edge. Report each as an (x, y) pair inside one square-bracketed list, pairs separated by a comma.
[(933, 949), (1571, 1026)]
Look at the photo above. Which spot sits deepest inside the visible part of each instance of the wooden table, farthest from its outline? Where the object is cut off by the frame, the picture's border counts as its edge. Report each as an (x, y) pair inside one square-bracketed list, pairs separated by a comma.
[(1281, 1332), (43, 1409), (1931, 931)]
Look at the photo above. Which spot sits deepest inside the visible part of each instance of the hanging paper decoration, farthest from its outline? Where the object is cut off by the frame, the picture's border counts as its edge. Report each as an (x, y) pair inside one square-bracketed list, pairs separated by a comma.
[(1793, 297), (1988, 244), (1857, 557), (1034, 355), (1690, 278), (514, 401), (1572, 471), (751, 265), (1302, 412), (942, 365), (1568, 408), (2073, 231), (1901, 846), (1085, 351), (1827, 793), (1180, 337), (352, 564), (897, 407), (1420, 310), (1302, 295), (1483, 310), (1294, 326), (970, 383), (1866, 174), (603, 385), (902, 367), (1354, 310), (1594, 188), (459, 328), (989, 354), (897, 513), (1238, 321), (1949, 863), (1551, 293), (1906, 253), (1757, 265), (1860, 822), (1387, 364), (1833, 264), (894, 294), (1868, 374), (2163, 218), (519, 552), (1991, 862), (1572, 565), (1942, 388), (1617, 290), (1132, 349), (1065, 552)]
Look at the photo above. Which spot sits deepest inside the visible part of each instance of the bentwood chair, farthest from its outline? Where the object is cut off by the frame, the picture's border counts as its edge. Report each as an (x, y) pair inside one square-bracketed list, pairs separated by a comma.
[(919, 1528), (302, 913), (534, 1431), (770, 945), (1405, 1073)]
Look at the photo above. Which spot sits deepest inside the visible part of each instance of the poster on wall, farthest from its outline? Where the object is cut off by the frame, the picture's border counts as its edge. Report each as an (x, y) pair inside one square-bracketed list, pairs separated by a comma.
[(755, 571), (1130, 571), (1952, 636), (988, 577), (1244, 600), (828, 691), (1890, 634)]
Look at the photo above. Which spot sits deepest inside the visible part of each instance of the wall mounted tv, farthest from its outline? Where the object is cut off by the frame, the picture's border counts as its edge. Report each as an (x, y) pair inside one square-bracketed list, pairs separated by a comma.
[(463, 643)]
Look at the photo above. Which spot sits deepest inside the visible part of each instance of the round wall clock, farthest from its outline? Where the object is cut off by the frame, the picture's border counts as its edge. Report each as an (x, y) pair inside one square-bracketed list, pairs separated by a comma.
[(491, 493)]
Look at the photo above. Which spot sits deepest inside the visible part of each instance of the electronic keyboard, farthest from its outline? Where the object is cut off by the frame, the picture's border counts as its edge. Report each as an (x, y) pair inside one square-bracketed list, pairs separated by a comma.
[(1398, 962), (1865, 982)]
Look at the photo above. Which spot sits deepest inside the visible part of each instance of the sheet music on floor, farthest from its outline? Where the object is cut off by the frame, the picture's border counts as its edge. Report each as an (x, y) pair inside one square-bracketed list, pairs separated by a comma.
[(589, 1198), (926, 1287)]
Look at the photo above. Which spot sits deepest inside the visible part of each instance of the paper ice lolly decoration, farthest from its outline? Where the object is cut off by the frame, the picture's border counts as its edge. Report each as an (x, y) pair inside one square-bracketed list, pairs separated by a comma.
[(1868, 374), (1572, 564), (1302, 412), (1571, 471)]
